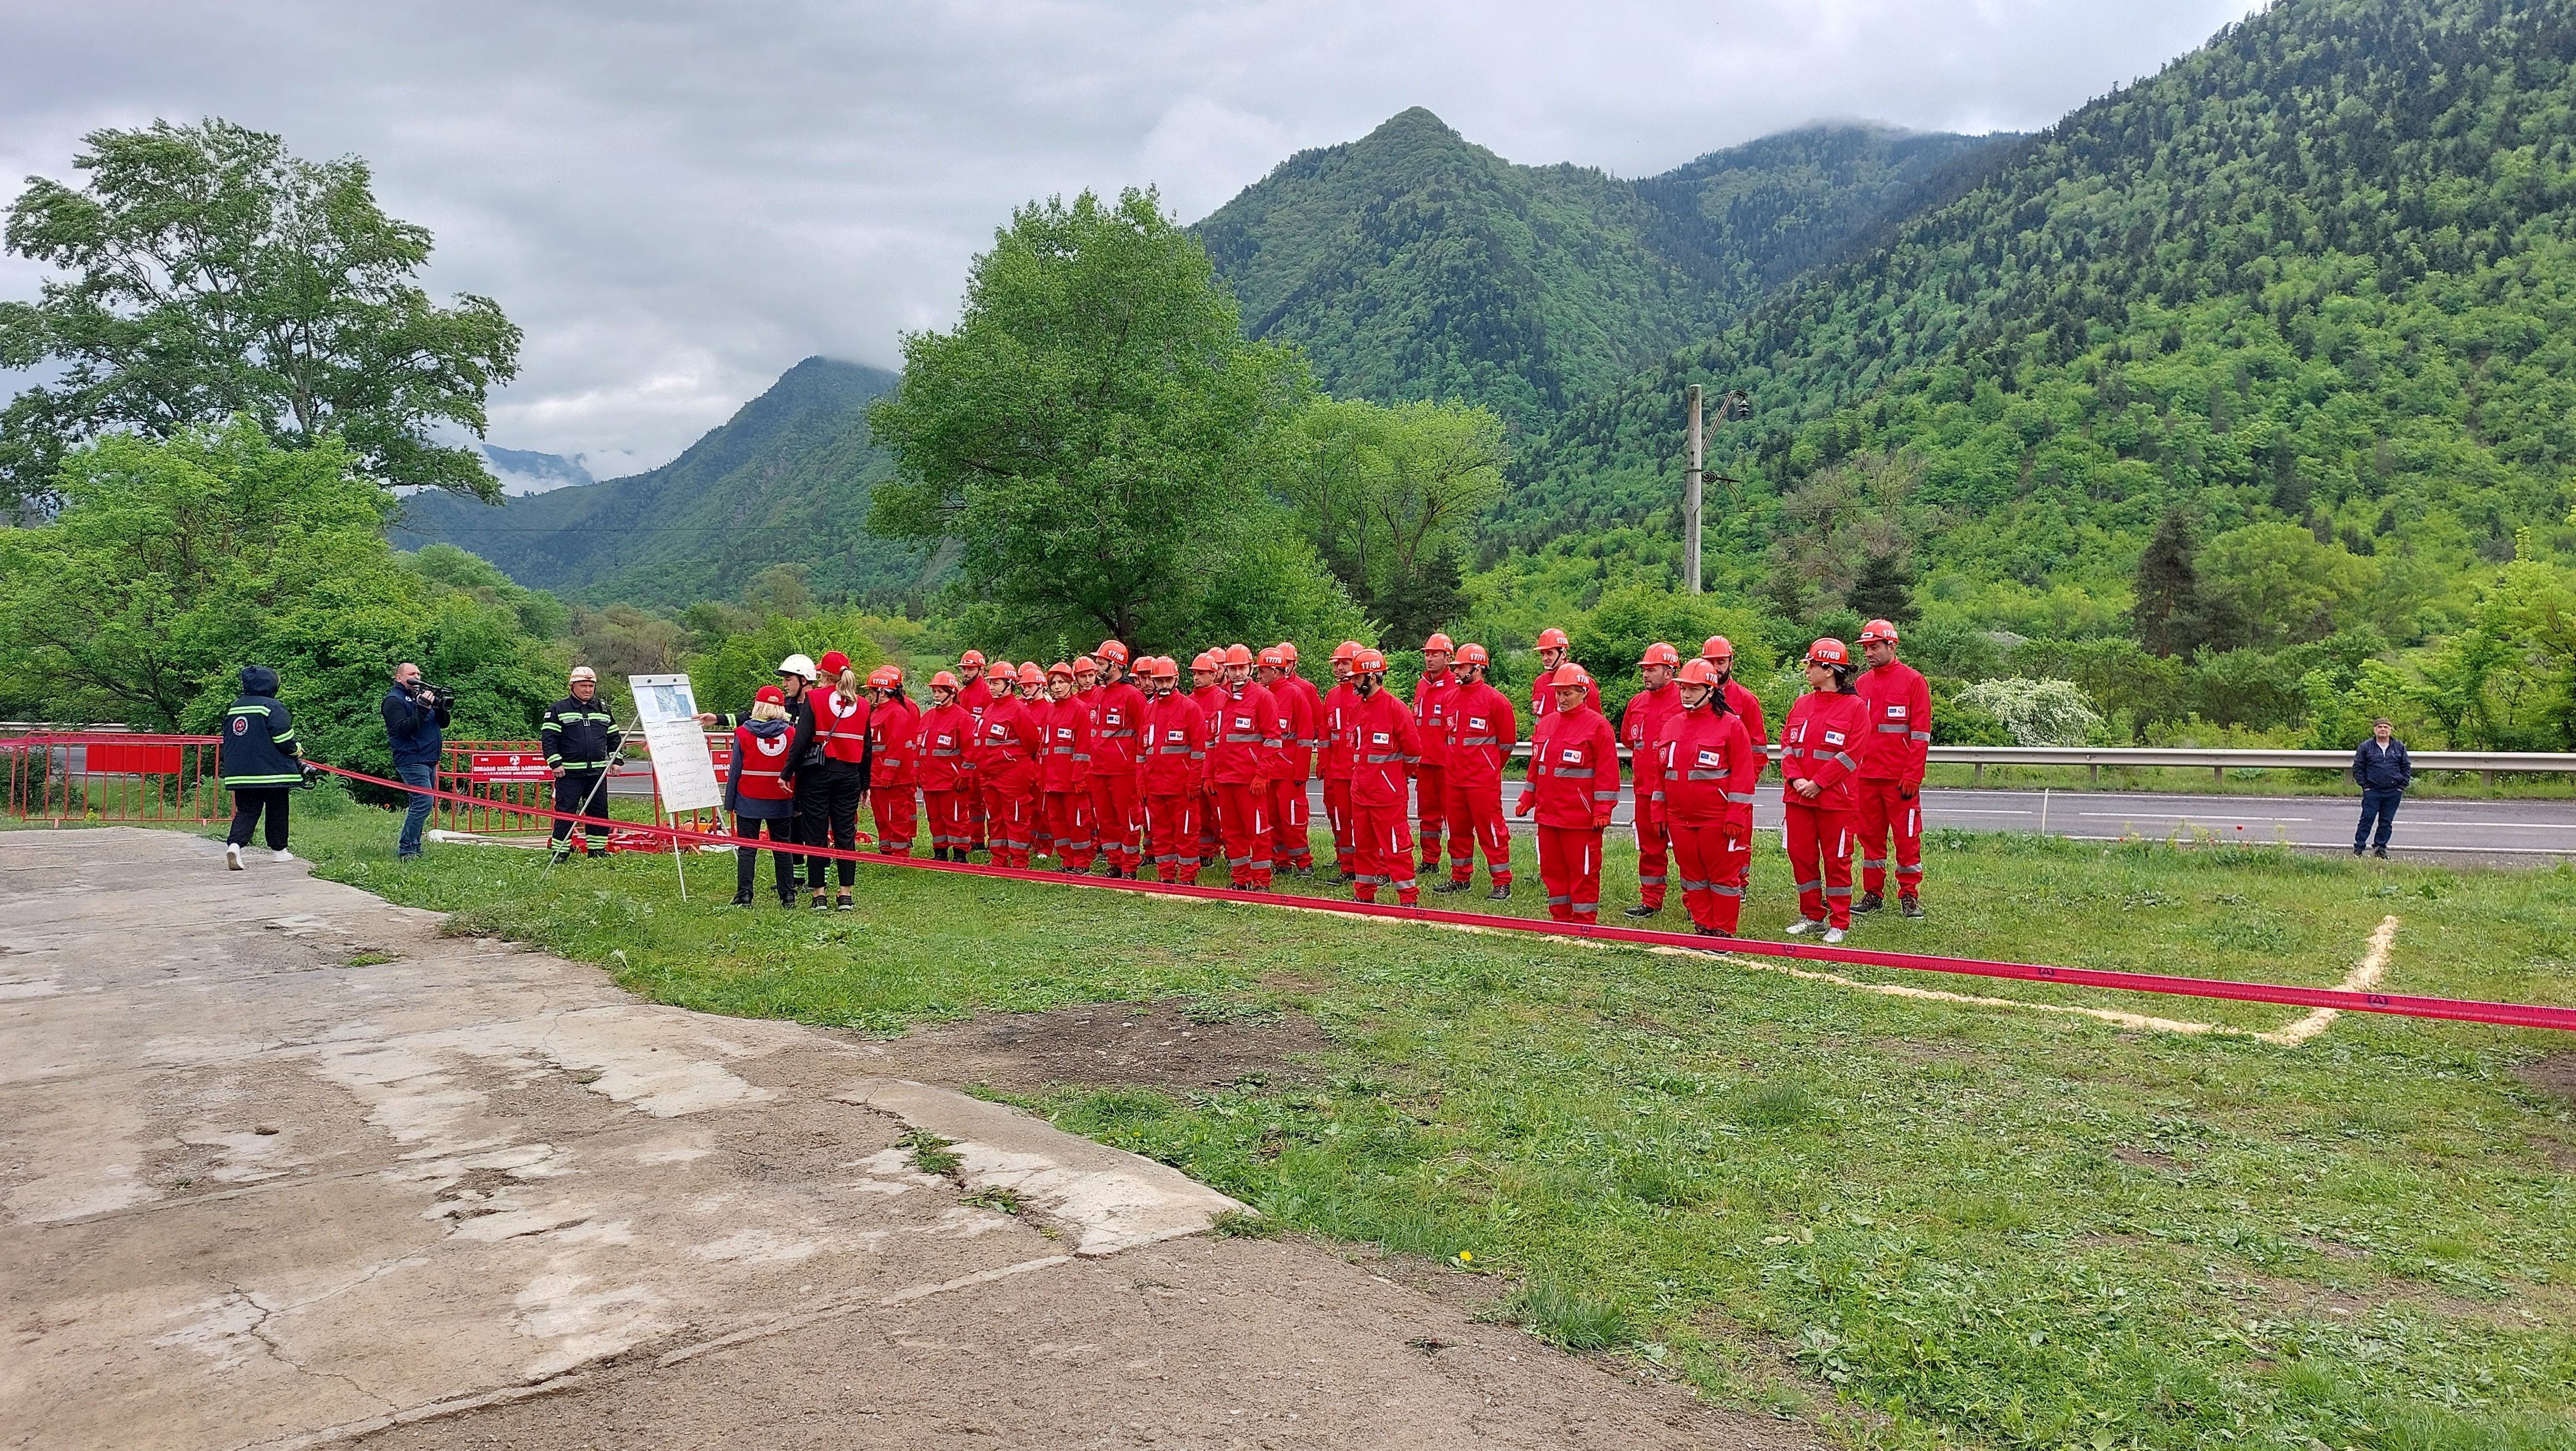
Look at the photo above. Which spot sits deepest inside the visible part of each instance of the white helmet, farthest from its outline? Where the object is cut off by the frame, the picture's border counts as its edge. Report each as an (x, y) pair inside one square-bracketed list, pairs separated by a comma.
[(796, 665), (581, 673)]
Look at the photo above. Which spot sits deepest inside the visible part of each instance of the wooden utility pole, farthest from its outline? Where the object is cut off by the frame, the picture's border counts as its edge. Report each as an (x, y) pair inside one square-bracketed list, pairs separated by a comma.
[(1691, 500)]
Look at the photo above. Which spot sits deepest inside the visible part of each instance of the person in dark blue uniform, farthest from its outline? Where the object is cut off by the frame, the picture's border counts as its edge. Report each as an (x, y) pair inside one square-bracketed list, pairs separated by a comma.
[(2380, 767), (260, 762), (582, 743)]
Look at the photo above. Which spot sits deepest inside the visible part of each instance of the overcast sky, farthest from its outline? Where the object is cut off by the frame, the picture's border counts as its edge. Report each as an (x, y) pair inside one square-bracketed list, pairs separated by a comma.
[(677, 202)]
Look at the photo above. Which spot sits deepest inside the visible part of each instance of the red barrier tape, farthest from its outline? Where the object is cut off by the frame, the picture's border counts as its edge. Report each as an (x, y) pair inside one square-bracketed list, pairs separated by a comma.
[(2464, 1010)]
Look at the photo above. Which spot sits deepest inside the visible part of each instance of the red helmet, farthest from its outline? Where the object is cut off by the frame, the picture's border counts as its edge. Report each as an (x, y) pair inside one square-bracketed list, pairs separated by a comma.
[(1346, 649), (1206, 660), (1660, 653), (1473, 654), (1439, 642), (1569, 675), (1112, 650), (1288, 651), (1000, 670), (834, 662), (1697, 672), (971, 660), (944, 681), (1030, 674), (770, 695), (1085, 665), (1368, 662), (1829, 651), (1060, 668), (1238, 654), (1878, 630), (1166, 668), (1553, 638), (1717, 648), (884, 677), (1271, 660)]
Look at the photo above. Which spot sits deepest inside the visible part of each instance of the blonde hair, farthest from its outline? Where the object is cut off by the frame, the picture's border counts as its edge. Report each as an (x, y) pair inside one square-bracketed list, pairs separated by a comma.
[(765, 710), (847, 687)]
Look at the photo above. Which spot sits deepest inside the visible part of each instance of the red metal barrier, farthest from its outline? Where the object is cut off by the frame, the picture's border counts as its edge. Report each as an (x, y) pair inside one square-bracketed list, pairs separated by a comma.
[(61, 776)]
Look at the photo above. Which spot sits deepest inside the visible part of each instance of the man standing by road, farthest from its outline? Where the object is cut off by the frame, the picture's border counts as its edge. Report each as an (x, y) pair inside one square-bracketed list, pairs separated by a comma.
[(2380, 767), (415, 717), (582, 744), (1385, 743), (1433, 695), (1891, 773), (1482, 734)]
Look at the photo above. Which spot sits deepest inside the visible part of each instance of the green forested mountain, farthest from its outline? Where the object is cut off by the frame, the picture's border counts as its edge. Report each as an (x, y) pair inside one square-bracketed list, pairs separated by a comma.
[(1411, 264), (787, 479), (2309, 292)]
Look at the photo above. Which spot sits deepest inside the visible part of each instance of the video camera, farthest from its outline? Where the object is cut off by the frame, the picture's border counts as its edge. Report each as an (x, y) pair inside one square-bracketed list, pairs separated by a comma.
[(434, 694)]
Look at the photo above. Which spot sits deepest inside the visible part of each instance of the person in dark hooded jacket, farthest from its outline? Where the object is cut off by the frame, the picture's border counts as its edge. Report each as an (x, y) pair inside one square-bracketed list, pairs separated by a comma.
[(260, 762)]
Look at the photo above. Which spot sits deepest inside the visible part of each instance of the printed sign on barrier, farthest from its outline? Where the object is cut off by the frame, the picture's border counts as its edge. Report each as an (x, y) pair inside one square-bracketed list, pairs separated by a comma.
[(506, 766), (683, 769)]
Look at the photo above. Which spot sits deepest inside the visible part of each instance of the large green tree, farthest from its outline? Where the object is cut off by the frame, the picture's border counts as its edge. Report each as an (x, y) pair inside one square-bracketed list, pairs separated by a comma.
[(211, 273), (1090, 432), (1390, 497)]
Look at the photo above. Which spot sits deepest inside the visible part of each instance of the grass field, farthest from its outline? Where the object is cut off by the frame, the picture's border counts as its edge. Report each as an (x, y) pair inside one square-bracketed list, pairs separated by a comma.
[(1920, 1224)]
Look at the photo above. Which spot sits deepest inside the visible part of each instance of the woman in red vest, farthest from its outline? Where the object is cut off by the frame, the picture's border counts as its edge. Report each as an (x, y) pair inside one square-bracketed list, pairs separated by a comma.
[(757, 794), (894, 727), (1706, 766), (1573, 784), (1820, 750), (828, 765), (943, 744)]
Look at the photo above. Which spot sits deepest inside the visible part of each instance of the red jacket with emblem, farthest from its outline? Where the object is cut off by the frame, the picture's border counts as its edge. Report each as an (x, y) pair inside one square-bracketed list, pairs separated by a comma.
[(1243, 736), (1482, 732), (894, 733), (1543, 699), (1900, 717), (1822, 743), (1301, 710), (1171, 757), (1433, 698), (1336, 724), (1067, 765), (1116, 711), (1008, 745), (1385, 747), (1574, 770), (1748, 708), (1706, 765), (944, 742), (1641, 727)]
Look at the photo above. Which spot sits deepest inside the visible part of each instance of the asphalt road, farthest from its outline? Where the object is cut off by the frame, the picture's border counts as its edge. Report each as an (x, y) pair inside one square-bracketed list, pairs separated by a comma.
[(2431, 827)]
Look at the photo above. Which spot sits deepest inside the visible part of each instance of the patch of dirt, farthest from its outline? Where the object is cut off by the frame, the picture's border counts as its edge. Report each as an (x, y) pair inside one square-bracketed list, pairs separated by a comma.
[(1154, 1045), (2147, 1159), (2551, 1075)]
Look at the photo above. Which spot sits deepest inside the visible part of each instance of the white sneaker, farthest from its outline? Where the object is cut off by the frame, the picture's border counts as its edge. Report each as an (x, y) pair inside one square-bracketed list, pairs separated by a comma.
[(282, 854), (1833, 935), (232, 857), (1803, 926)]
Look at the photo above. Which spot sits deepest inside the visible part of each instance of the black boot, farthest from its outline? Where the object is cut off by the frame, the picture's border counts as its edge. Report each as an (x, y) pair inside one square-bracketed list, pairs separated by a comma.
[(1910, 904), (1641, 910), (1869, 902), (1502, 892), (742, 898), (1452, 885)]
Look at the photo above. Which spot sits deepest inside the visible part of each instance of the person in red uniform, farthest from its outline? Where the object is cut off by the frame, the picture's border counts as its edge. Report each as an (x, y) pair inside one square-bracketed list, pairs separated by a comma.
[(1064, 773), (1243, 756), (1086, 677), (1820, 749), (827, 763), (1335, 762), (1008, 747), (1482, 733), (974, 695), (1641, 725), (1705, 767), (756, 792), (1573, 784), (1433, 694), (894, 730), (1891, 771), (1386, 746), (1116, 706), (1553, 651), (943, 746), (1171, 762), (1292, 812), (1719, 652), (1205, 692)]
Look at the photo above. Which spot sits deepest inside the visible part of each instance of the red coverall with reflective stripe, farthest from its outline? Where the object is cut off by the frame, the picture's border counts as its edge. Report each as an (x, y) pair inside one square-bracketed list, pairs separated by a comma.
[(1006, 772), (1433, 695), (1706, 766), (1171, 766), (945, 741), (1115, 711), (1336, 768), (1385, 745), (974, 698), (1641, 725), (1891, 774), (1573, 784), (1821, 743), (1067, 781), (1543, 699), (1301, 730), (1243, 754), (1211, 845), (1482, 732), (893, 730)]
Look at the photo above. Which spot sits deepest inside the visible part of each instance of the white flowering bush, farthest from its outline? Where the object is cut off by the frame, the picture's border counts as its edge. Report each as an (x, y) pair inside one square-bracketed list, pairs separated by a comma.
[(2037, 712)]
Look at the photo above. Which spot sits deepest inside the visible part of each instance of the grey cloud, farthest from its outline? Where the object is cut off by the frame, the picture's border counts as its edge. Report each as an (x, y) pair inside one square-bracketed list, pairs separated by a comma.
[(679, 201)]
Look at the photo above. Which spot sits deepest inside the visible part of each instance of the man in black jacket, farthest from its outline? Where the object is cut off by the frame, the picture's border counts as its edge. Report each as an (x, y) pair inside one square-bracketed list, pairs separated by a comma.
[(260, 761), (415, 722), (2382, 771), (582, 742)]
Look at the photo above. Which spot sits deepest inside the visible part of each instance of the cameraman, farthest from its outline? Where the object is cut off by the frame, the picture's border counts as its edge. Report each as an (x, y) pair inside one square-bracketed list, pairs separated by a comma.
[(415, 715)]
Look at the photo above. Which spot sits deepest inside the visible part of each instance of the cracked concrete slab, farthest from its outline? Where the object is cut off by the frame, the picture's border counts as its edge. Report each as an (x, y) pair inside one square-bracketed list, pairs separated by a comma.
[(284, 1167)]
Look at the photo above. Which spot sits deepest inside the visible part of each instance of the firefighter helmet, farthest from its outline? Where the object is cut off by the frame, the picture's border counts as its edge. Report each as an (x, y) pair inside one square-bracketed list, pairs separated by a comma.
[(1717, 648), (1553, 638), (1697, 672), (1569, 675), (1878, 631), (944, 681), (1238, 654), (1660, 653), (797, 665), (1829, 651), (1472, 653), (1439, 642), (1368, 662)]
